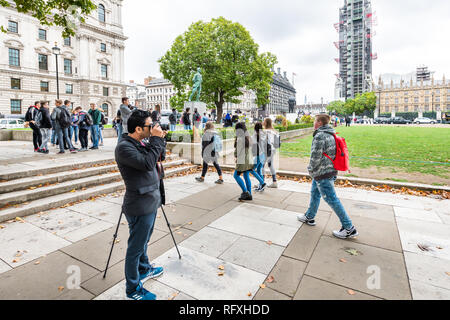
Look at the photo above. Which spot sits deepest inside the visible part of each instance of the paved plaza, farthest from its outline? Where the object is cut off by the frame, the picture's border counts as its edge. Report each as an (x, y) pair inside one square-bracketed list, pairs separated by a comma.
[(234, 250)]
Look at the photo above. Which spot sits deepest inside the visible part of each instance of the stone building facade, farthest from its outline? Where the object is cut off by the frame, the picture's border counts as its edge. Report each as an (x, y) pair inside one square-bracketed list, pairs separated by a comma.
[(137, 95), (159, 91), (280, 92), (411, 96), (90, 64)]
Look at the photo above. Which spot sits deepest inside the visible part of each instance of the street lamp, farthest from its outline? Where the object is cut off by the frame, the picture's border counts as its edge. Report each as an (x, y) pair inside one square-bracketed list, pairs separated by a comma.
[(57, 52)]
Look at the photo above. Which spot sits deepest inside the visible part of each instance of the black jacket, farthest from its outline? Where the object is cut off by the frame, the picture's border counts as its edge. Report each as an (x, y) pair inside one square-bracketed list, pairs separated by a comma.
[(139, 169), (46, 122)]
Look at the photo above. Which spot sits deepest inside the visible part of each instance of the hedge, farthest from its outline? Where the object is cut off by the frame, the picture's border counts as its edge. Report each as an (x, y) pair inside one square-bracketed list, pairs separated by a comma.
[(408, 115), (385, 115), (431, 115)]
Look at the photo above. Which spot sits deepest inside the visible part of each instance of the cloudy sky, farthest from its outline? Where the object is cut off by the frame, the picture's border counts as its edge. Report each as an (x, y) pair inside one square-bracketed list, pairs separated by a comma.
[(299, 32)]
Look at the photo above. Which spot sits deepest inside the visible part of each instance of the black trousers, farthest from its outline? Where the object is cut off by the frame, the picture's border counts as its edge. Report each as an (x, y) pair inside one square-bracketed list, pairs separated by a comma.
[(205, 168), (83, 135), (37, 136)]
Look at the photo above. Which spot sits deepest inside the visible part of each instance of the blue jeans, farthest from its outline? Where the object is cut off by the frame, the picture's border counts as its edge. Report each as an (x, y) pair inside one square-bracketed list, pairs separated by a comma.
[(100, 134), (260, 163), (119, 132), (187, 127), (63, 134), (73, 129), (136, 259), (247, 186), (325, 189), (95, 136), (173, 127)]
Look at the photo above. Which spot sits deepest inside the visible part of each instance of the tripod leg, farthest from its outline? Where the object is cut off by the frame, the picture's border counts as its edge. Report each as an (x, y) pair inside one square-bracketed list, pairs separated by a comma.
[(171, 233), (112, 246)]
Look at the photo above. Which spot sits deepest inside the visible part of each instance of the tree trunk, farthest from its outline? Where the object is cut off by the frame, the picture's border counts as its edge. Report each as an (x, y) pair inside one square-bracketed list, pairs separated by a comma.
[(219, 107)]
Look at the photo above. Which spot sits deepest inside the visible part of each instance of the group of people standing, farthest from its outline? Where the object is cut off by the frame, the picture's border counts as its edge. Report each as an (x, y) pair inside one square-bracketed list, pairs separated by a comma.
[(60, 126), (197, 119)]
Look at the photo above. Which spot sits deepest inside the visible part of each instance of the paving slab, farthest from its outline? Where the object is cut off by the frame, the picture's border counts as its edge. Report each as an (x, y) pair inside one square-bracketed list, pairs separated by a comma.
[(24, 242), (76, 295), (303, 200), (268, 294), (423, 291), (178, 215), (355, 273), (376, 211), (429, 270), (445, 218), (204, 200), (196, 274), (421, 215), (314, 289), (212, 216), (211, 241), (99, 210), (97, 285), (247, 220), (253, 254), (305, 240), (369, 232), (426, 234), (265, 203), (164, 244), (287, 274), (4, 267), (41, 281), (274, 195)]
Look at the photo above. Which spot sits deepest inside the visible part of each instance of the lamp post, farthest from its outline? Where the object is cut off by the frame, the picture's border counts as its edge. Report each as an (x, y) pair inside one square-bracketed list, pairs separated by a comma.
[(57, 52)]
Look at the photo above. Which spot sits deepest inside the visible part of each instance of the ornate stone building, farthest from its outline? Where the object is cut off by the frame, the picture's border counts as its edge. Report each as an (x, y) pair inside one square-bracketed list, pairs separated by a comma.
[(90, 65), (159, 92), (137, 95), (280, 92)]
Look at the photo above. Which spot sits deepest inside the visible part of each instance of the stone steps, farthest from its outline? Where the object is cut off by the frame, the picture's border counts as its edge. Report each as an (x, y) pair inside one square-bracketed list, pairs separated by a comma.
[(64, 198)]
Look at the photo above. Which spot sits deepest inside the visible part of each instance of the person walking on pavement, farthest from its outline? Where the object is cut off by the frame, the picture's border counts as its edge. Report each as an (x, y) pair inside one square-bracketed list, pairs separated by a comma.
[(73, 132), (273, 143), (187, 119), (211, 146), (173, 120), (45, 124), (244, 163), (96, 119), (324, 175), (196, 118), (205, 120), (84, 125), (125, 112), (119, 126), (30, 116), (61, 116), (258, 149), (141, 172)]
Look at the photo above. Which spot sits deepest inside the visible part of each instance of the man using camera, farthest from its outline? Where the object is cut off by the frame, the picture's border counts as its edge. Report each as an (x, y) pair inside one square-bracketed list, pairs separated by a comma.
[(138, 165)]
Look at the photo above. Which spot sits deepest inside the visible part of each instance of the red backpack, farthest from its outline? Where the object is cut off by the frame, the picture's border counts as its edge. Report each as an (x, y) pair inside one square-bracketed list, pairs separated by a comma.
[(341, 162)]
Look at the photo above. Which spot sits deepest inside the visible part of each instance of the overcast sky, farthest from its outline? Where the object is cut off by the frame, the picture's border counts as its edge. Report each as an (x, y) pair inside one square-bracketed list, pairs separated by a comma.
[(299, 32)]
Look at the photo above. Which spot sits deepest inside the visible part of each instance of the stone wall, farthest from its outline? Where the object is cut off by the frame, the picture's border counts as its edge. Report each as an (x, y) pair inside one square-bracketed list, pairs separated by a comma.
[(27, 135)]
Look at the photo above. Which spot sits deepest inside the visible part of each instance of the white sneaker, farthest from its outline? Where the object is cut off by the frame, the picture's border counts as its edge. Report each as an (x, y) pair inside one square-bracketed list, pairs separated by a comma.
[(274, 185), (304, 219), (346, 234)]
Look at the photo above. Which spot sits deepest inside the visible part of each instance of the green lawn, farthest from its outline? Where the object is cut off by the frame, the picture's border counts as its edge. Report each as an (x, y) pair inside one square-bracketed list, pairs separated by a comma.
[(414, 144)]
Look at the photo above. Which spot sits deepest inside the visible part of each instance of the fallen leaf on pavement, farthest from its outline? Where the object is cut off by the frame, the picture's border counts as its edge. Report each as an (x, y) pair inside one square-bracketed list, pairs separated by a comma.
[(448, 273), (221, 268), (270, 279), (423, 247), (20, 220), (262, 286), (61, 288), (440, 248), (269, 243), (189, 223), (37, 262), (351, 292), (2, 227), (249, 294), (221, 274), (353, 252), (343, 260)]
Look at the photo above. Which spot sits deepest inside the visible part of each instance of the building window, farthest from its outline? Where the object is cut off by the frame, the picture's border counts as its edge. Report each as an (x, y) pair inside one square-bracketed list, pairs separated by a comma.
[(67, 66), (104, 70), (44, 86), (14, 57), (438, 99), (69, 88), (406, 100), (416, 108), (427, 108), (13, 27), (427, 99), (101, 13), (42, 34), (43, 64), (16, 106), (67, 41), (105, 109), (406, 109), (103, 47), (105, 92), (15, 84), (438, 91)]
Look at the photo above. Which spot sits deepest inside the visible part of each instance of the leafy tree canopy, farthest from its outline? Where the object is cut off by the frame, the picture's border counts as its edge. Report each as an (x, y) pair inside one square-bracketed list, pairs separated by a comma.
[(63, 13), (228, 58), (362, 103)]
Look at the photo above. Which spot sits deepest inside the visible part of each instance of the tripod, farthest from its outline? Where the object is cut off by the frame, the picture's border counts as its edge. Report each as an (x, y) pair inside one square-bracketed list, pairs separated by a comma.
[(117, 230)]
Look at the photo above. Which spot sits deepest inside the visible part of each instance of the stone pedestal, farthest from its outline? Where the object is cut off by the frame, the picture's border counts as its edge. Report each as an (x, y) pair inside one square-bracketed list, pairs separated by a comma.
[(201, 108)]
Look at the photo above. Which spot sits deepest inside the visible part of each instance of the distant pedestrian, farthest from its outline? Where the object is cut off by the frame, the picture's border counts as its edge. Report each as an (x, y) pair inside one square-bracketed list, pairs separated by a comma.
[(73, 133), (211, 148), (205, 119), (84, 124), (30, 116), (173, 120), (196, 118), (324, 175), (95, 128), (103, 122), (244, 163), (156, 115), (259, 140), (125, 112), (348, 121), (45, 124), (62, 118), (119, 126), (186, 118), (273, 143)]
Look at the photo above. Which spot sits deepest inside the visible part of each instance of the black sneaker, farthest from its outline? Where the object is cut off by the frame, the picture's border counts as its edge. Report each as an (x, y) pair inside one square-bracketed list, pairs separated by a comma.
[(262, 188), (346, 234), (61, 152), (200, 179), (220, 181), (246, 197), (304, 219)]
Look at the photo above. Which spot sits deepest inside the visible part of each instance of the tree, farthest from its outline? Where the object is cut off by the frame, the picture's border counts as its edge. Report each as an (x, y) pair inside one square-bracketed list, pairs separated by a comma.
[(337, 106), (229, 60), (63, 13), (363, 103)]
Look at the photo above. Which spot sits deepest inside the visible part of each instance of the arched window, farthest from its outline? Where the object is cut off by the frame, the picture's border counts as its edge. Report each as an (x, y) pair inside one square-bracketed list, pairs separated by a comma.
[(101, 13), (105, 109)]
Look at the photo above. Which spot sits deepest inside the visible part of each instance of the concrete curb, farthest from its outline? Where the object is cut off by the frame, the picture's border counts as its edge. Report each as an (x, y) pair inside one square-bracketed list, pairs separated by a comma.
[(359, 181)]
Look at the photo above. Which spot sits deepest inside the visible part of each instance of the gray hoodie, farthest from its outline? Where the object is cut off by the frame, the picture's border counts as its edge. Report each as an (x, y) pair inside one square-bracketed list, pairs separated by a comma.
[(320, 167), (125, 112)]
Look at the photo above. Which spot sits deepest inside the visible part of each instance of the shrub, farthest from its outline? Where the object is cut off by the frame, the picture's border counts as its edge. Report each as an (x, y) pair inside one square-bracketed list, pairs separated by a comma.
[(431, 115), (307, 119), (279, 119), (385, 115)]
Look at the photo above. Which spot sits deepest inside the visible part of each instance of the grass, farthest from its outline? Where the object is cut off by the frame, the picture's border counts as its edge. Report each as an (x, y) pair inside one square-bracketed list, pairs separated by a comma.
[(392, 145)]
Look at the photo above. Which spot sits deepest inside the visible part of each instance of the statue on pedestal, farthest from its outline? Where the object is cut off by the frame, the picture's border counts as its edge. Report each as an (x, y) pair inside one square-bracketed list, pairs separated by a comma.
[(197, 89)]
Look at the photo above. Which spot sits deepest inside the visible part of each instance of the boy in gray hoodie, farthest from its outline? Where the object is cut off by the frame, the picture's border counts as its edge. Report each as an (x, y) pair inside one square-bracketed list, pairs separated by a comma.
[(324, 175)]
